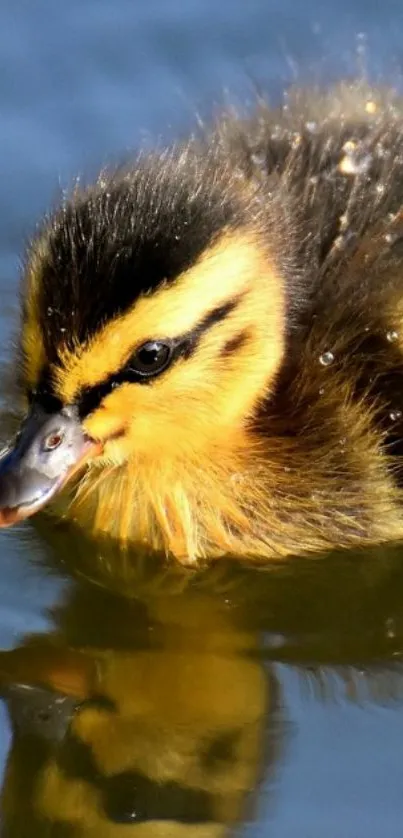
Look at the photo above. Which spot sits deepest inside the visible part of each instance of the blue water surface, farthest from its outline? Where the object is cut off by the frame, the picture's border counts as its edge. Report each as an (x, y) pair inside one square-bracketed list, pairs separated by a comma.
[(84, 83)]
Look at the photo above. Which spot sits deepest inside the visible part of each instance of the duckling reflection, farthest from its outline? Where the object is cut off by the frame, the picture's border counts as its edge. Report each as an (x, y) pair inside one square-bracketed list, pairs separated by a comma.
[(345, 610), (159, 713), (145, 716)]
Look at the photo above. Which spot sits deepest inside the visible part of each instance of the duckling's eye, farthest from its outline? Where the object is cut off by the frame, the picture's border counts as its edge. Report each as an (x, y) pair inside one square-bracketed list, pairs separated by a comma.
[(151, 358)]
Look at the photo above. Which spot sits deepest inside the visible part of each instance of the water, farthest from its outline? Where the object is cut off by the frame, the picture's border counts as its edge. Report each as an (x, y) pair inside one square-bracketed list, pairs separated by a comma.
[(272, 700)]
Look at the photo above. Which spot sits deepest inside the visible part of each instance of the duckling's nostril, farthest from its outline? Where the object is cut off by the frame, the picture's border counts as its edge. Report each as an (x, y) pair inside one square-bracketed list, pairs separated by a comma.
[(53, 440)]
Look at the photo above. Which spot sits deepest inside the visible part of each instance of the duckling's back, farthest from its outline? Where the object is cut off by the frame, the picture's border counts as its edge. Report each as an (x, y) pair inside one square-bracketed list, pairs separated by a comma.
[(337, 160)]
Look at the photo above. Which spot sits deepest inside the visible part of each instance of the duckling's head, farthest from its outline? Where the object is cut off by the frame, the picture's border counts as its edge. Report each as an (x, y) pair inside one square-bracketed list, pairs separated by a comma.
[(152, 326)]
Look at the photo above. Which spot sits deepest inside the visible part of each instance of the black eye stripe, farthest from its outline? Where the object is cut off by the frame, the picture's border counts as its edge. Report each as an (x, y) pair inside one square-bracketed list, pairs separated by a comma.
[(131, 796), (216, 315), (90, 398)]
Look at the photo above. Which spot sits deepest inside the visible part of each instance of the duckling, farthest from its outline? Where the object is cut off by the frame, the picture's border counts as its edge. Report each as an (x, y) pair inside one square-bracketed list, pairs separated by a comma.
[(211, 345), (153, 718)]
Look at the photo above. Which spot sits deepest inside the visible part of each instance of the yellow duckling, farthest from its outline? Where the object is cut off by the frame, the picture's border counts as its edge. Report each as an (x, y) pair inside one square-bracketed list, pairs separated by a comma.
[(212, 344)]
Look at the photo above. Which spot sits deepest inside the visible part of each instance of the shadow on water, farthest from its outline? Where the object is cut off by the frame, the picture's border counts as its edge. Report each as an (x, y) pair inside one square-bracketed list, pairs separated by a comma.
[(154, 704)]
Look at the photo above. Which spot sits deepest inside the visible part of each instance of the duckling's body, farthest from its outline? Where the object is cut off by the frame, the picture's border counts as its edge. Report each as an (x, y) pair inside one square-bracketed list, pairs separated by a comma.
[(217, 332)]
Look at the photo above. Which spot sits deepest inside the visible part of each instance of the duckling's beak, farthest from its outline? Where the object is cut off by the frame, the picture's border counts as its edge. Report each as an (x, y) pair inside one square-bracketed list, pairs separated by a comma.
[(48, 450)]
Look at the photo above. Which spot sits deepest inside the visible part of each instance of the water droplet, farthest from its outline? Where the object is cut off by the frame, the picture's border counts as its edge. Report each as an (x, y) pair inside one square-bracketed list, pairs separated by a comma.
[(353, 164), (338, 243), (63, 330), (349, 146), (321, 391), (380, 188), (395, 415), (371, 107), (392, 335), (326, 359), (346, 165)]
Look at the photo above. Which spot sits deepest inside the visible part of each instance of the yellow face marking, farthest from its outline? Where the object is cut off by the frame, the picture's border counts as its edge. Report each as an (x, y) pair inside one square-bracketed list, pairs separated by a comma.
[(171, 448), (208, 396), (221, 273)]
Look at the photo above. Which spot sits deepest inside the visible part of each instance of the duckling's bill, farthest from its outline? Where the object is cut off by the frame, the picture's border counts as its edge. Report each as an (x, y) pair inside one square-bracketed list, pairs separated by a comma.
[(48, 450)]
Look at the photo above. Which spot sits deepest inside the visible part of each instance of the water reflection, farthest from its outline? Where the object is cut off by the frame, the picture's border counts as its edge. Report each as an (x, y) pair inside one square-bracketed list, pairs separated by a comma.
[(148, 712), (161, 712)]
